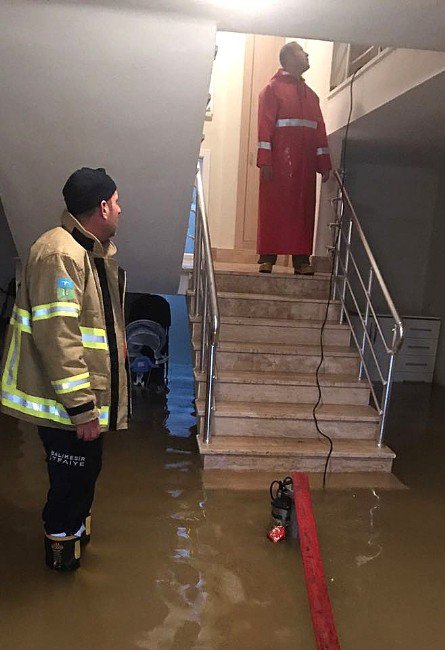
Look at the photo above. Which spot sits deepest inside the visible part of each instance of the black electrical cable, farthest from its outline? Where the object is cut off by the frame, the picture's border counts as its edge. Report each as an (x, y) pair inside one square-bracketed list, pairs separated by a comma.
[(331, 279)]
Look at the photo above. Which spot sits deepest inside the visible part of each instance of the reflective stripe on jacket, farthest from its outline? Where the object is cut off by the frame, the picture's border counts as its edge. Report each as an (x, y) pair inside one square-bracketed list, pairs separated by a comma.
[(64, 361)]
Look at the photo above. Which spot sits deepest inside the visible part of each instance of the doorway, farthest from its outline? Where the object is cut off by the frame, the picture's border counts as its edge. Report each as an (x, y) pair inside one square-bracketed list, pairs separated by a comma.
[(261, 62)]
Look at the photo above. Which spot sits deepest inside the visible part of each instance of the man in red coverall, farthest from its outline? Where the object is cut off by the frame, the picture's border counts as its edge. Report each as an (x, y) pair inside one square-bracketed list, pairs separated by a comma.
[(292, 148)]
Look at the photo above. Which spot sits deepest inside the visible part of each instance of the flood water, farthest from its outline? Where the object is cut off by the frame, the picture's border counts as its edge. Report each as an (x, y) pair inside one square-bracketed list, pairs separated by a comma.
[(181, 561)]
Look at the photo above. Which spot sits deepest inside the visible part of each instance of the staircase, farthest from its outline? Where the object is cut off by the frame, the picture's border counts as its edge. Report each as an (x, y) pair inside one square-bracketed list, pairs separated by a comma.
[(265, 386)]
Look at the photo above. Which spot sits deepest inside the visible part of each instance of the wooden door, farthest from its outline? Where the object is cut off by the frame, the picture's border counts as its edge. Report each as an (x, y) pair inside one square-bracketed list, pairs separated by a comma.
[(261, 63)]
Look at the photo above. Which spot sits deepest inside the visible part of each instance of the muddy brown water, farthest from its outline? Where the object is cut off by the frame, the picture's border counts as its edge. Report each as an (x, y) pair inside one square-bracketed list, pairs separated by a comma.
[(177, 562)]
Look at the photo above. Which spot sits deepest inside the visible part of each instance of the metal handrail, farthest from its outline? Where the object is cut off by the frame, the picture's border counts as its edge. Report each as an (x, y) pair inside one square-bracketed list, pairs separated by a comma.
[(343, 287), (205, 303)]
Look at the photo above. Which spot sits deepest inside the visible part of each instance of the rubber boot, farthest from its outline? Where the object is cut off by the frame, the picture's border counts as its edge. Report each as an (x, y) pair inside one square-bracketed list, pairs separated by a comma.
[(86, 535), (304, 269), (62, 553)]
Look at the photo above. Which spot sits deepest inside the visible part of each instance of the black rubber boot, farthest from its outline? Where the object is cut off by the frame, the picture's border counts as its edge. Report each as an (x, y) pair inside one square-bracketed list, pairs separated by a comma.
[(62, 553)]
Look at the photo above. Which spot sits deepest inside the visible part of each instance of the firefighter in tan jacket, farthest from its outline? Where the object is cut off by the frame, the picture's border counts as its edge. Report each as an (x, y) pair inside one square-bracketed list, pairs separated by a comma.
[(65, 366)]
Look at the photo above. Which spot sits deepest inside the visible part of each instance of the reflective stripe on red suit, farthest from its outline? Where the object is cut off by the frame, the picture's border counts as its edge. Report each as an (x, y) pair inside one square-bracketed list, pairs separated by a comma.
[(291, 138)]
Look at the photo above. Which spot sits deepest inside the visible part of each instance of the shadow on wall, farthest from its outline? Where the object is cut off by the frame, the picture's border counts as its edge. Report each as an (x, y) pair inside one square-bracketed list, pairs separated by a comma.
[(7, 273), (8, 251)]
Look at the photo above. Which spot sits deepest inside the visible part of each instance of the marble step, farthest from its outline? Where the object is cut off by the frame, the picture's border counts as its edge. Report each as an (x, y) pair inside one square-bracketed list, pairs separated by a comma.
[(286, 455), (248, 481), (246, 260), (290, 388), (279, 357), (263, 330), (253, 305), (292, 420), (277, 284), (233, 256)]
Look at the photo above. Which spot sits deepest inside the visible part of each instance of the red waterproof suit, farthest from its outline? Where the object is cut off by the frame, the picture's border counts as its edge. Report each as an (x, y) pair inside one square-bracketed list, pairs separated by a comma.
[(292, 138)]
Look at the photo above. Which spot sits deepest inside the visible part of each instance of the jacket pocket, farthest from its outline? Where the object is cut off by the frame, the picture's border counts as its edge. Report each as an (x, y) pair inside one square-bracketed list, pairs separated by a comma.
[(98, 381)]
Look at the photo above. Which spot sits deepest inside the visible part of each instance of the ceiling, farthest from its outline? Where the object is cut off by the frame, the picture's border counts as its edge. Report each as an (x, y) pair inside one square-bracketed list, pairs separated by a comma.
[(409, 23)]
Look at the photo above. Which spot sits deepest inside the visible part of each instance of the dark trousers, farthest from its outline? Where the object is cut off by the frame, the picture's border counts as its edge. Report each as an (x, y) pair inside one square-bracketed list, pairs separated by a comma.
[(73, 468), (297, 260)]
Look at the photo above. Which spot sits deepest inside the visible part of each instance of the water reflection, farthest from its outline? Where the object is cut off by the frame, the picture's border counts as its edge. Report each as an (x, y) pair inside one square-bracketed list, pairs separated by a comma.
[(360, 560), (175, 565)]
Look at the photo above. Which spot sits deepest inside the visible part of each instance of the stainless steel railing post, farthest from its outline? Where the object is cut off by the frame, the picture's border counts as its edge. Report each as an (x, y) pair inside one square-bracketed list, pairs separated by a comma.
[(345, 271), (208, 300), (195, 245), (337, 241), (209, 408), (366, 343), (203, 324), (197, 258), (386, 399), (368, 295)]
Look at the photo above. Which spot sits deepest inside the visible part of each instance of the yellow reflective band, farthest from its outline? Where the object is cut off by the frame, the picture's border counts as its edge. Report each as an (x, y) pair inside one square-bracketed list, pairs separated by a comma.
[(72, 384), (21, 318), (43, 408), (52, 309), (46, 409), (19, 323), (104, 416), (22, 312), (94, 338), (7, 377)]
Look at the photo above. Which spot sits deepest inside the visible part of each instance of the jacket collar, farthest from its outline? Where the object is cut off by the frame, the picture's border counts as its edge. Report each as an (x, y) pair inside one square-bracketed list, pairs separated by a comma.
[(282, 75), (88, 241)]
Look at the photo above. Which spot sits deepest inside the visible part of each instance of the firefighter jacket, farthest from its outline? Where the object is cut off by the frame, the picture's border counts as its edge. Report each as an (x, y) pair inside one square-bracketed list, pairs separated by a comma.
[(65, 354)]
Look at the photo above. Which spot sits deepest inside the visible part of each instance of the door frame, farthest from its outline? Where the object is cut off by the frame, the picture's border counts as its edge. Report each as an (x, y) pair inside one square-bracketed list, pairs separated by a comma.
[(244, 143)]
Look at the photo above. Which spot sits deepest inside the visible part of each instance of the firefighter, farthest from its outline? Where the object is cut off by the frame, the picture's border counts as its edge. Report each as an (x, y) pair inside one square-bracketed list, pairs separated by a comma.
[(64, 366)]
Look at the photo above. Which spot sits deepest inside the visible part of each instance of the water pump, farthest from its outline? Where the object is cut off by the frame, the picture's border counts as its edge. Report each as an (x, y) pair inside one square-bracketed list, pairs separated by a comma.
[(284, 521)]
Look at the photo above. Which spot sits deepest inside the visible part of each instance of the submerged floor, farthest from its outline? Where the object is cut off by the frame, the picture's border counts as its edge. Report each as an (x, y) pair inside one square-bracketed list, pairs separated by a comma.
[(177, 565)]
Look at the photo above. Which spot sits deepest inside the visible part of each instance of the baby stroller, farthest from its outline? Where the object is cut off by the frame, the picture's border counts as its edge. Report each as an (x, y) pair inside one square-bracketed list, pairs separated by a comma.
[(147, 342)]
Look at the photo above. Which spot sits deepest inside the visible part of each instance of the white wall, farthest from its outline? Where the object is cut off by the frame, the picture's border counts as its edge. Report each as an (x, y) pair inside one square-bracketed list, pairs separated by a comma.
[(320, 59), (118, 88), (222, 137), (318, 77), (383, 79)]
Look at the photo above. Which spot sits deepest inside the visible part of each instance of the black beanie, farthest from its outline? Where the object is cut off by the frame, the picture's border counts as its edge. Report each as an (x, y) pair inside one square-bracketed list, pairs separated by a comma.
[(86, 188)]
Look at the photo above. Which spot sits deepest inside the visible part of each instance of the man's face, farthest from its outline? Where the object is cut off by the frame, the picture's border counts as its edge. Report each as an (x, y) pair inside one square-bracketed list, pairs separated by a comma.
[(297, 61), (113, 211)]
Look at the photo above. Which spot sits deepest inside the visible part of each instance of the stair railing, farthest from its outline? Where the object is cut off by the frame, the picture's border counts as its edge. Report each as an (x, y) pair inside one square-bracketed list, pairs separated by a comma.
[(356, 291), (205, 303)]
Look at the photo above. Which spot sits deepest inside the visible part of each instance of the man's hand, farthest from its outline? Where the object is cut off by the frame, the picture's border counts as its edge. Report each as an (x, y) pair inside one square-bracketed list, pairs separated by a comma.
[(88, 431), (325, 177), (266, 172)]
